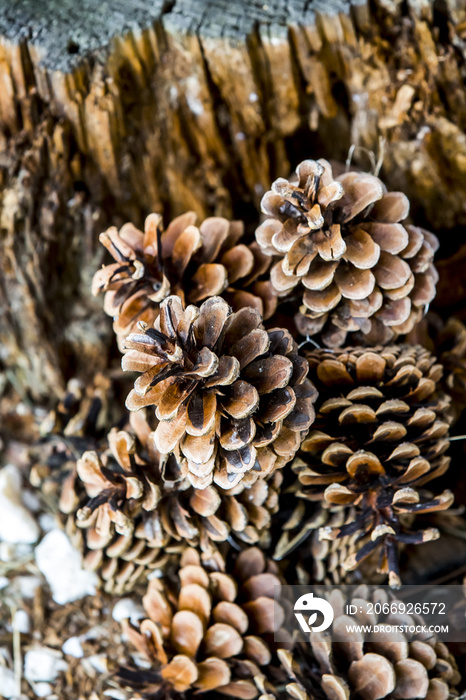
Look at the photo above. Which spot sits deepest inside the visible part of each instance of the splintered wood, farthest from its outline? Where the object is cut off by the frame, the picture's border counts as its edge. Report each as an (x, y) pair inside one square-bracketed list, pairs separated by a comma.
[(163, 107)]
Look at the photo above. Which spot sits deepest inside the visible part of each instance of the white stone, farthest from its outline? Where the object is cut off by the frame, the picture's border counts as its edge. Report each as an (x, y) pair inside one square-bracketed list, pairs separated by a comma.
[(99, 662), (20, 622), (16, 523), (22, 410), (73, 647), (47, 521), (6, 656), (127, 609), (27, 585), (42, 689), (43, 664), (4, 581), (31, 501), (61, 565), (8, 687)]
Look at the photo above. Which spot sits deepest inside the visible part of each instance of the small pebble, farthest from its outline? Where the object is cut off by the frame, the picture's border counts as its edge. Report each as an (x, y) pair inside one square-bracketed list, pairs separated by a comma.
[(73, 647), (47, 521), (27, 585), (20, 622), (8, 688), (43, 664), (141, 661), (16, 522), (61, 565), (127, 609), (156, 573), (94, 633), (6, 656), (42, 689), (30, 500)]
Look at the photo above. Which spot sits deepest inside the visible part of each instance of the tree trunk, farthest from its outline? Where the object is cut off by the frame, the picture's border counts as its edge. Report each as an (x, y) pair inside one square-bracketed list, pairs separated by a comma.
[(112, 110)]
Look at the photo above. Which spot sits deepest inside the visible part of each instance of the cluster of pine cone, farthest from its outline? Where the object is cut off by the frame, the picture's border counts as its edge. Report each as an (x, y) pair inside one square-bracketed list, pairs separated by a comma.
[(283, 428)]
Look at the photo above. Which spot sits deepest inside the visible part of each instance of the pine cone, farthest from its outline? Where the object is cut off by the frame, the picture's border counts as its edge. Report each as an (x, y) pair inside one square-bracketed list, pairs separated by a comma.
[(451, 348), (442, 559), (78, 422), (359, 270), (232, 400), (122, 561), (448, 340), (380, 433), (207, 630), (132, 506), (84, 410), (316, 560), (193, 263), (103, 503), (386, 664), (78, 425)]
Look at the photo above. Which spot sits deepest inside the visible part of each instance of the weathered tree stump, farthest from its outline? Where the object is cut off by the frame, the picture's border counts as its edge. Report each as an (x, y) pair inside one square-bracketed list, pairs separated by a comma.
[(111, 110)]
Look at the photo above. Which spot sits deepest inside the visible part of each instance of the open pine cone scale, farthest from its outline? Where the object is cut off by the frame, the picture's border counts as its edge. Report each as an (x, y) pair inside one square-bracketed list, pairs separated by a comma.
[(380, 435), (131, 510), (384, 664), (232, 399), (194, 263), (359, 269), (209, 632)]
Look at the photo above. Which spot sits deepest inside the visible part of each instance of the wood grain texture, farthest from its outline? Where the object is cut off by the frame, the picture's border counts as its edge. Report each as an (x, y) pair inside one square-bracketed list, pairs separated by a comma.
[(110, 110)]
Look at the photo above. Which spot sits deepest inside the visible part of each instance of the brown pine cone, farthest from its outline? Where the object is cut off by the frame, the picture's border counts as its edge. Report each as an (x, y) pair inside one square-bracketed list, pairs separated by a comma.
[(232, 400), (121, 561), (174, 511), (380, 433), (380, 665), (132, 507), (105, 508), (193, 263), (316, 560), (346, 255), (78, 422), (296, 675), (207, 630), (450, 344), (441, 560), (84, 410), (448, 340)]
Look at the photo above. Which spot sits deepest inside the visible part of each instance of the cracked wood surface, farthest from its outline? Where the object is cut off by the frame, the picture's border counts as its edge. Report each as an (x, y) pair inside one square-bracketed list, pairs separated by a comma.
[(110, 110)]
